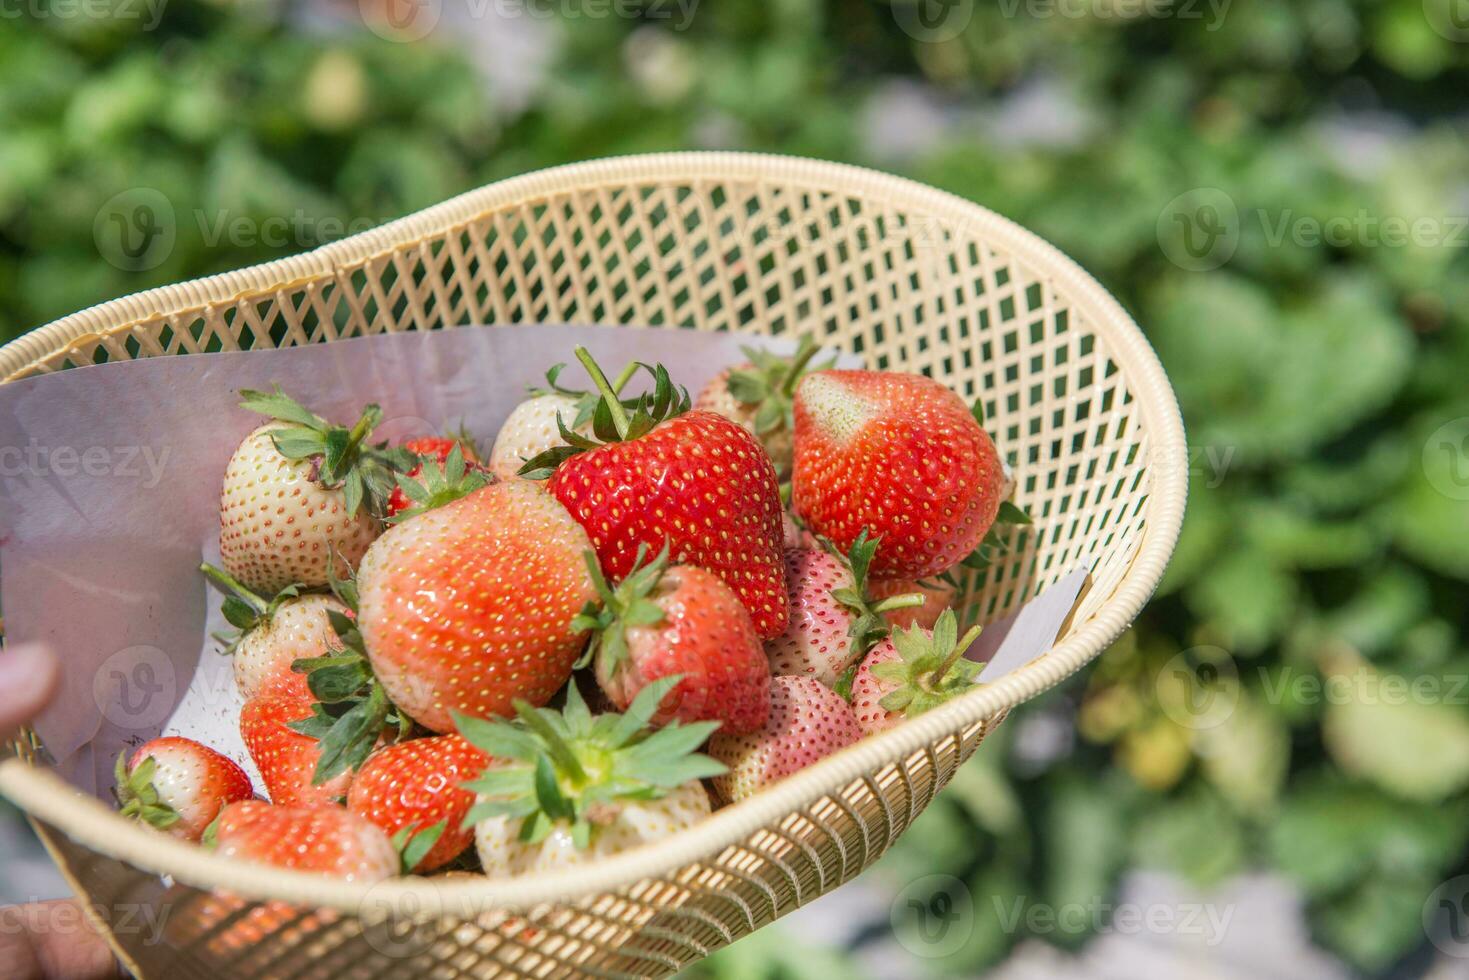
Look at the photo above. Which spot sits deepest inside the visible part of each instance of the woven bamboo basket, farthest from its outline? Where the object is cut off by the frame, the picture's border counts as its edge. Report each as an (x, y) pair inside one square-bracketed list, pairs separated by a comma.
[(904, 276)]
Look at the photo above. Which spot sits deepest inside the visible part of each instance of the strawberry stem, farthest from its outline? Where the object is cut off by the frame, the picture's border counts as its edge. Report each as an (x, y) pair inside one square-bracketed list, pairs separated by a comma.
[(231, 584), (609, 394), (625, 377), (364, 425), (954, 655), (804, 353), (905, 601)]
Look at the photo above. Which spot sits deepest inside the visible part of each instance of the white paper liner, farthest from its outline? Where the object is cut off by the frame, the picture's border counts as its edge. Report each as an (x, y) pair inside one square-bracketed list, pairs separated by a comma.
[(109, 499)]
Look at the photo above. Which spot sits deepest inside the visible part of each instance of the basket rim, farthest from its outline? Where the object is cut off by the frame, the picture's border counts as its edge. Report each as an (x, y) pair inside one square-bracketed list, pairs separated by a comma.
[(89, 822)]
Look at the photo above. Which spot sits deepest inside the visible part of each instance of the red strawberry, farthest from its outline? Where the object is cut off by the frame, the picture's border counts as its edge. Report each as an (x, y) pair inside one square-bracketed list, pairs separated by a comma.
[(757, 395), (413, 787), (694, 482), (467, 607), (681, 621), (938, 595), (300, 493), (911, 672), (414, 490), (326, 840), (808, 721), (178, 785), (287, 759), (900, 456), (271, 634), (833, 621)]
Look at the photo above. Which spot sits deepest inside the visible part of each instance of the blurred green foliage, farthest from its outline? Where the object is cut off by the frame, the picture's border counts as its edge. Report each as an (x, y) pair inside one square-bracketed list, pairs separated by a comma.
[(1326, 550)]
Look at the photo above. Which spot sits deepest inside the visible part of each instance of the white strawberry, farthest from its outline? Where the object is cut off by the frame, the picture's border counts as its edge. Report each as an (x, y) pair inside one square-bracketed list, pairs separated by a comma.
[(911, 672), (535, 425), (271, 634), (569, 787), (758, 395), (530, 430), (808, 722), (832, 622), (300, 494)]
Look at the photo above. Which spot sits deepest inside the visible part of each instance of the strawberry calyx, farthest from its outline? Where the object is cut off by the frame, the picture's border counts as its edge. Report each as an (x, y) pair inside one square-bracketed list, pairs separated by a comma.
[(614, 419), (351, 710), (433, 484), (769, 384), (571, 768), (341, 458), (629, 604), (439, 446), (137, 797), (244, 609), (932, 669), (868, 627), (586, 401)]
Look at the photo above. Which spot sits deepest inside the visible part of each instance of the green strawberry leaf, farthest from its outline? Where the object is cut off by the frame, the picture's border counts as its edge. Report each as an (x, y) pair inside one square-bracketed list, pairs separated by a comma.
[(413, 844)]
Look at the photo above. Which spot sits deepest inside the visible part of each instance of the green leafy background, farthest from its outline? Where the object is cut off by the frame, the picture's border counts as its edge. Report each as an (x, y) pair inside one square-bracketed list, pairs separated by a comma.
[(1320, 542)]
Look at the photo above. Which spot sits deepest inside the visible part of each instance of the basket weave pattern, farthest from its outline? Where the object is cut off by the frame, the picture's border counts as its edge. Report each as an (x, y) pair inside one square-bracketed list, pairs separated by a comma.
[(905, 277)]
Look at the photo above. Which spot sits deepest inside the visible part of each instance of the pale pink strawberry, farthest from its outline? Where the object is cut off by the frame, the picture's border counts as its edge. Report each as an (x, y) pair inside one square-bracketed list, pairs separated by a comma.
[(300, 494), (271, 634), (913, 671), (833, 619), (178, 785), (938, 595), (816, 642), (794, 535), (808, 722)]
